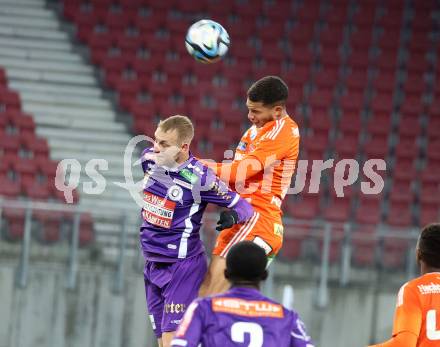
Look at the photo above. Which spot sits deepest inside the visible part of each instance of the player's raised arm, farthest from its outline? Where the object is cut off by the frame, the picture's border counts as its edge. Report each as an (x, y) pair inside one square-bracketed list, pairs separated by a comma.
[(214, 191), (191, 328)]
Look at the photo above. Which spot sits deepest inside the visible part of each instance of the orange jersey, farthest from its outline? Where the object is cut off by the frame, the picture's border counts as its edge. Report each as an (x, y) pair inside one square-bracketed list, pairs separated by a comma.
[(418, 310), (264, 162)]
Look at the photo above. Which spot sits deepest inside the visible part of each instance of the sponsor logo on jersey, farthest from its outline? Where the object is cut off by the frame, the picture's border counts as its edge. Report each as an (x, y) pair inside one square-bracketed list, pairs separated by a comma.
[(242, 146), (278, 229), (431, 288), (158, 211), (174, 308), (189, 176), (175, 193), (247, 308)]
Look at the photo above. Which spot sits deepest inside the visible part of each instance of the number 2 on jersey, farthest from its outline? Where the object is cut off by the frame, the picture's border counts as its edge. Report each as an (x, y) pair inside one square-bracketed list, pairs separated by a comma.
[(255, 331), (431, 326)]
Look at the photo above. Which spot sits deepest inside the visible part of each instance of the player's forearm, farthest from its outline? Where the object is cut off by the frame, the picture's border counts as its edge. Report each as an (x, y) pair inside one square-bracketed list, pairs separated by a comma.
[(236, 171), (405, 338), (244, 210)]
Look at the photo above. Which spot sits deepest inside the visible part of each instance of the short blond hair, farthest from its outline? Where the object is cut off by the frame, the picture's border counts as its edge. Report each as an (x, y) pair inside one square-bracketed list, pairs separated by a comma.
[(183, 126)]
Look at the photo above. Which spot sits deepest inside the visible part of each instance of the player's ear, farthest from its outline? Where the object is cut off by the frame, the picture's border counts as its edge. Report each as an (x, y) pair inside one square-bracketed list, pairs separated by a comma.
[(264, 275), (278, 110), (226, 273), (185, 147)]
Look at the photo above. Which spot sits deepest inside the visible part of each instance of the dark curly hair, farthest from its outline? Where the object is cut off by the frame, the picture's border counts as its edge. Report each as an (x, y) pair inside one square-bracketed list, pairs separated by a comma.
[(269, 90)]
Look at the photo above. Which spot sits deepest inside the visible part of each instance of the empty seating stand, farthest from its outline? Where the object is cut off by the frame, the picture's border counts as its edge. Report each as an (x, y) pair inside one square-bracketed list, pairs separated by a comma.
[(26, 172), (355, 95)]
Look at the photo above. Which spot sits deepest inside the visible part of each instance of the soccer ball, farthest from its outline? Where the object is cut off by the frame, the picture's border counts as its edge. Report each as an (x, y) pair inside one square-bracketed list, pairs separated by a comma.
[(207, 41)]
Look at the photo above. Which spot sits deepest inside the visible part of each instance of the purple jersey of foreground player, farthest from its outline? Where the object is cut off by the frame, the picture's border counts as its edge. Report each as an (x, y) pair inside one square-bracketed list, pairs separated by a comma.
[(174, 202), (240, 317)]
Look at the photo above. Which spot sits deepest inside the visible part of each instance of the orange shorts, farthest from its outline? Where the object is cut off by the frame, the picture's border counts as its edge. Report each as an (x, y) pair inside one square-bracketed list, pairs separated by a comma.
[(264, 231)]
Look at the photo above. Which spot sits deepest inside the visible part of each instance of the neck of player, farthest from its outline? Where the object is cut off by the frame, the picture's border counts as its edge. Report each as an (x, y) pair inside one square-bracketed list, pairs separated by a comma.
[(424, 268), (182, 157), (244, 284)]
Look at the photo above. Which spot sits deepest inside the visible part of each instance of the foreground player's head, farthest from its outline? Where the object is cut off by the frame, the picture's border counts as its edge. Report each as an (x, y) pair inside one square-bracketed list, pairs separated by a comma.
[(246, 264), (428, 248), (172, 140), (266, 100)]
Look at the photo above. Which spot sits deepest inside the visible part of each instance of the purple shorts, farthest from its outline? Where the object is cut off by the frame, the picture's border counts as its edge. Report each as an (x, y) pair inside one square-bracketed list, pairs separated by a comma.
[(170, 288)]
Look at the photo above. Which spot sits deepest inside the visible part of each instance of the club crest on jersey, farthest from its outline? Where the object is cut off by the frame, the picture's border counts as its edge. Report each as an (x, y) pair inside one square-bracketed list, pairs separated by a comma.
[(242, 146), (175, 193)]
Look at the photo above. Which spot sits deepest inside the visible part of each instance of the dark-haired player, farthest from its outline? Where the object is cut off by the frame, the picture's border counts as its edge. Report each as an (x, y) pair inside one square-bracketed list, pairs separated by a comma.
[(417, 316), (261, 172), (242, 316)]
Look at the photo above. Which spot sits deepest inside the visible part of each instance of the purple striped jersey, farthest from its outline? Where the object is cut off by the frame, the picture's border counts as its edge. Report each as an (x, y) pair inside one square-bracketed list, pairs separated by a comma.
[(173, 204), (240, 317)]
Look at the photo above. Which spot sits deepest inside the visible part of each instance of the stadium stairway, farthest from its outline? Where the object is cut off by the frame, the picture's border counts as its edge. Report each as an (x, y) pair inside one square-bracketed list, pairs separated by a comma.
[(62, 92)]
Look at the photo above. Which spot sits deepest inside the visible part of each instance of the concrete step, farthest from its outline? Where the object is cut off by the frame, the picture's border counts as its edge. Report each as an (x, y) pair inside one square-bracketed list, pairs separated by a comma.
[(116, 165), (81, 147), (89, 136), (25, 43), (32, 75), (113, 230), (104, 115), (27, 3), (20, 22), (58, 90), (78, 102), (98, 202), (76, 124), (35, 33), (25, 11), (77, 68), (40, 55)]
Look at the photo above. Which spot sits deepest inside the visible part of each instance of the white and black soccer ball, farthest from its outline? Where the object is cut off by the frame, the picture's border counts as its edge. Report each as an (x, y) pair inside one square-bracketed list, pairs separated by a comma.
[(207, 41)]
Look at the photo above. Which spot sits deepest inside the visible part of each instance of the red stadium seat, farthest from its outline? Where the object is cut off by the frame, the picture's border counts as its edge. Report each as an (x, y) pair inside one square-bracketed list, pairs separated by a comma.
[(394, 253), (292, 247), (398, 216), (15, 223), (306, 209), (338, 210), (50, 222), (346, 147), (364, 245), (358, 60)]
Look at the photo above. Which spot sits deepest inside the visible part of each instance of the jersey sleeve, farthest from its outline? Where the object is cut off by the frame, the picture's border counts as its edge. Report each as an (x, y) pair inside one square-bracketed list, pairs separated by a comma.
[(271, 148), (268, 152), (216, 192), (298, 335), (408, 315), (189, 332), (146, 158)]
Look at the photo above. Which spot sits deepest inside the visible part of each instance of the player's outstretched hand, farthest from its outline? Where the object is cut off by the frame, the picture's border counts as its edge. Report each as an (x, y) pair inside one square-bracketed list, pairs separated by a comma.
[(227, 219)]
